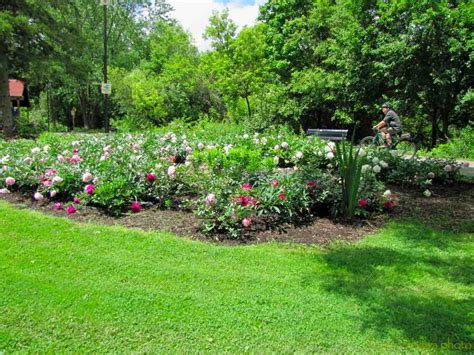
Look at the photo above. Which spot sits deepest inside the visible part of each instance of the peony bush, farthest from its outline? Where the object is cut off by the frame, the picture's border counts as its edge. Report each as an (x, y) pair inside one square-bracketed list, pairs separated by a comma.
[(235, 181)]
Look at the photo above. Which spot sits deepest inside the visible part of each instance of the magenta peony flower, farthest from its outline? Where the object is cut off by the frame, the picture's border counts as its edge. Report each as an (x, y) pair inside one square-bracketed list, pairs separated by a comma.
[(10, 181), (211, 199), (282, 196), (89, 189), (246, 186), (311, 184), (150, 177), (363, 202), (87, 177), (76, 200), (275, 183), (135, 207), (58, 206), (246, 222), (38, 197), (71, 209), (388, 205)]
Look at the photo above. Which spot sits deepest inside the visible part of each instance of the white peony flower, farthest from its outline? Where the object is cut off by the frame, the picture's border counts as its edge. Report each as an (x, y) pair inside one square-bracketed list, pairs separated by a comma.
[(35, 150), (245, 136), (276, 159), (276, 147), (263, 141), (299, 155), (200, 146), (383, 164), (57, 179), (376, 169), (387, 193), (375, 160), (427, 193), (284, 145), (330, 155), (365, 168)]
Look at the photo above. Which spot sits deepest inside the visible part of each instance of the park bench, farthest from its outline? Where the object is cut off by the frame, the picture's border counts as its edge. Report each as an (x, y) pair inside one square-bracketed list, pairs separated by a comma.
[(328, 134)]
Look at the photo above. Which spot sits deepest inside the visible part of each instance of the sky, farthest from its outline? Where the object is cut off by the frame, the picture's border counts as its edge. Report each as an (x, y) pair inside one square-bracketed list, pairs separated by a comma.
[(194, 15)]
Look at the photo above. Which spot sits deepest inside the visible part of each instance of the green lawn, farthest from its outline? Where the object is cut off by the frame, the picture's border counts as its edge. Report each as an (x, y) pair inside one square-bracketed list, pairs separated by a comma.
[(66, 286)]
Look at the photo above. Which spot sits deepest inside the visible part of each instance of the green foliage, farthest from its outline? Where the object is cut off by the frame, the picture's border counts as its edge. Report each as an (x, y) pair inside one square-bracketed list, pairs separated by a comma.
[(460, 146), (349, 165)]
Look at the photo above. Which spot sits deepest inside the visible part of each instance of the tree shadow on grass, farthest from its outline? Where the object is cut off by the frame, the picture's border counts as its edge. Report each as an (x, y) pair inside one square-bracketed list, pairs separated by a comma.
[(407, 290)]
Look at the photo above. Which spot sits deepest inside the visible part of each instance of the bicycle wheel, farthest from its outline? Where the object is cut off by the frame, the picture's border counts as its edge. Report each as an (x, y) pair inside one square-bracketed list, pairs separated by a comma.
[(406, 149), (366, 141)]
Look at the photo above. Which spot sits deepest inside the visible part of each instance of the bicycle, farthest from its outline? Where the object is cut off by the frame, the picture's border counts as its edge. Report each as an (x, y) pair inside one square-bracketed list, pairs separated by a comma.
[(403, 144)]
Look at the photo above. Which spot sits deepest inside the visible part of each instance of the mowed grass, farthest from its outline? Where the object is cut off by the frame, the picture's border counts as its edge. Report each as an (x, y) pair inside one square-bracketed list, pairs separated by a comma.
[(73, 287)]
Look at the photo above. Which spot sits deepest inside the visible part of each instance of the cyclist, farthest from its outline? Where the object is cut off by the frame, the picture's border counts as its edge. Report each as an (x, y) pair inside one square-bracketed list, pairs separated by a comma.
[(390, 125)]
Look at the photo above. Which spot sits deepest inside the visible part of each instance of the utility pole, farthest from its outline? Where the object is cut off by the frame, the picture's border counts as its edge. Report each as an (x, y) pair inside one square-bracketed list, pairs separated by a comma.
[(105, 85)]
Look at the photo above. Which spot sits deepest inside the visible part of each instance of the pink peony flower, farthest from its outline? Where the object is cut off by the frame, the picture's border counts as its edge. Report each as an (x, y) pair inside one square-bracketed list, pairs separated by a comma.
[(448, 168), (135, 207), (75, 159), (4, 191), (172, 158), (150, 177), (246, 222), (10, 181), (363, 202), (71, 209), (38, 197), (465, 164), (58, 206), (46, 183), (275, 183), (89, 189), (172, 171), (76, 200), (189, 150), (282, 196), (211, 199), (87, 177), (246, 186), (52, 193), (311, 184)]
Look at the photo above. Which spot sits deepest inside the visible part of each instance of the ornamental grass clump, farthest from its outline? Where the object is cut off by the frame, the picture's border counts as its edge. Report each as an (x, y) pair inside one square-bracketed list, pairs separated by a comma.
[(349, 165)]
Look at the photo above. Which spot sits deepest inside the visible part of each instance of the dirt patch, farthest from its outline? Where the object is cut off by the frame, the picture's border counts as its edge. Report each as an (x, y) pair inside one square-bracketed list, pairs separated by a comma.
[(449, 208)]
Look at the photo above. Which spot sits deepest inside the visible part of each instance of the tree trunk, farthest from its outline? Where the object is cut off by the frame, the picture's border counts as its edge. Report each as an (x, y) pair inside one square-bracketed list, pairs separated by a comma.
[(434, 128), (248, 106), (6, 117)]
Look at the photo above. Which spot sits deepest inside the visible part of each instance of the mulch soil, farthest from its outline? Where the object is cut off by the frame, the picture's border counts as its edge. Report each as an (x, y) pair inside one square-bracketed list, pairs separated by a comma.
[(449, 208)]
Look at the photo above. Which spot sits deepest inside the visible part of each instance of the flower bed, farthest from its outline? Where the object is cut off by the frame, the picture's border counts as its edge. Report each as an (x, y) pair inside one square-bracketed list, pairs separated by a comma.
[(231, 181)]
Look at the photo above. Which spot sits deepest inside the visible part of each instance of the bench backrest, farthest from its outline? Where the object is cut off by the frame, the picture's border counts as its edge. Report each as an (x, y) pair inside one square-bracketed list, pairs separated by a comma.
[(328, 134)]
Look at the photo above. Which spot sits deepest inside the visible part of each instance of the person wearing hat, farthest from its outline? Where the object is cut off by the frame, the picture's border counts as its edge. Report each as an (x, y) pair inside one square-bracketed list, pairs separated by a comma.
[(390, 124)]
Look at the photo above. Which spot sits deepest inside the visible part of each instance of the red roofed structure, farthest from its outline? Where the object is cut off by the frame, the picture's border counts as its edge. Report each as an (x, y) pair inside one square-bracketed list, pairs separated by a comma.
[(16, 88), (18, 93)]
